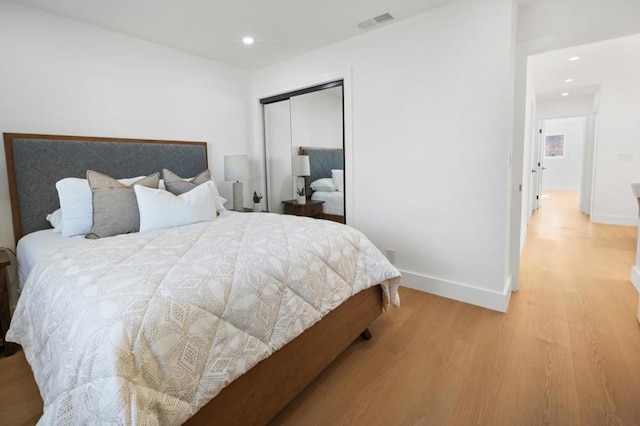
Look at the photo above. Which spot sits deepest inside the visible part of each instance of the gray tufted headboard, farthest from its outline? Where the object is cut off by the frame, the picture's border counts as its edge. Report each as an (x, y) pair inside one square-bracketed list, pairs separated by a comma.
[(36, 162), (321, 162)]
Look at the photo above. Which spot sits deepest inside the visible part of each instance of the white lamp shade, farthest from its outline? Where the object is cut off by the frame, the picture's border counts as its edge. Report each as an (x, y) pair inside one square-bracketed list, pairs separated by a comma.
[(236, 167), (301, 165)]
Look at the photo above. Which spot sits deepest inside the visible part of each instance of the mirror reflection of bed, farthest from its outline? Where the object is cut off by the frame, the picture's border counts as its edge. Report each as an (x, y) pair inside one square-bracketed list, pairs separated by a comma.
[(326, 182)]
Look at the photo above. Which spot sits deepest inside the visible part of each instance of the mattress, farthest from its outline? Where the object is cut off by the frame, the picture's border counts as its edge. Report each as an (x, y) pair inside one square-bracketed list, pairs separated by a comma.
[(333, 202), (36, 246), (149, 327)]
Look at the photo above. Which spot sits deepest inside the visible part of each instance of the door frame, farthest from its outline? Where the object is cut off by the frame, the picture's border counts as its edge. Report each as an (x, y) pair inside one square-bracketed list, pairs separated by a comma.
[(587, 159), (537, 167)]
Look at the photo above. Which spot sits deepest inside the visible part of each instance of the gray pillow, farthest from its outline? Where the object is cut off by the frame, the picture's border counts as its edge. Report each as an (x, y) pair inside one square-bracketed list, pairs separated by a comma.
[(115, 208), (178, 186)]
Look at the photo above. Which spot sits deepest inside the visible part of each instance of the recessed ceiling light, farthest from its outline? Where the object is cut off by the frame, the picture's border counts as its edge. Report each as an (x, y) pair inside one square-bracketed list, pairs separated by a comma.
[(565, 94), (247, 40), (569, 80), (574, 58)]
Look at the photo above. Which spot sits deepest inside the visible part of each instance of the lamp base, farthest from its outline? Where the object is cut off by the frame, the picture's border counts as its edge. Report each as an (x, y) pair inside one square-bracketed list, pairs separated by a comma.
[(238, 197)]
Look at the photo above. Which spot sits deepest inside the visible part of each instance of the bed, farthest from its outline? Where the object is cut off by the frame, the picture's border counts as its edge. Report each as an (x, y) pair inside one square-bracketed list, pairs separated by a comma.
[(321, 163), (159, 266)]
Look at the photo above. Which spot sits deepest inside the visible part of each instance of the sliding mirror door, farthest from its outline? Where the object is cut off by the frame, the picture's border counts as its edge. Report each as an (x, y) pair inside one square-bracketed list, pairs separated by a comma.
[(311, 123), (278, 152)]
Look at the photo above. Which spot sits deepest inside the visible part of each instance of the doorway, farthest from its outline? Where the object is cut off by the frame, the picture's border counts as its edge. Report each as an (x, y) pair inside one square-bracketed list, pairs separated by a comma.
[(558, 162)]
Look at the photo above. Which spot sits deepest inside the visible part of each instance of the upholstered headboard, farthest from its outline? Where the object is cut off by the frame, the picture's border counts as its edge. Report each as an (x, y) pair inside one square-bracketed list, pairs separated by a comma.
[(36, 162), (321, 162)]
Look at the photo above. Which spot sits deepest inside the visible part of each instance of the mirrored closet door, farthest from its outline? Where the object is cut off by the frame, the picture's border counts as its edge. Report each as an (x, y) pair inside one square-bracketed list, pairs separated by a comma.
[(307, 123)]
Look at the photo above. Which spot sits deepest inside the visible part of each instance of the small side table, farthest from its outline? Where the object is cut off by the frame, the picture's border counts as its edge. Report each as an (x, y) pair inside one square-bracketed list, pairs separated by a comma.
[(312, 208), (5, 314)]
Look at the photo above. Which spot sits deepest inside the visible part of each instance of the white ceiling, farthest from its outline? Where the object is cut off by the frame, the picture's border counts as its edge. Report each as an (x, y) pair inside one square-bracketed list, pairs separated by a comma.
[(214, 28), (550, 70)]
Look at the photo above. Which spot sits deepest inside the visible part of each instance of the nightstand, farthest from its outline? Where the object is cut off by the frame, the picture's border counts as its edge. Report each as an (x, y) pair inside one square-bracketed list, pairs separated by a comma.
[(5, 314), (312, 208)]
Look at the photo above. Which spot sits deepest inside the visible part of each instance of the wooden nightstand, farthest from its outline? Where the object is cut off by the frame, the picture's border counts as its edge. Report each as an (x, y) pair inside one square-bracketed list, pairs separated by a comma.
[(5, 314), (312, 208)]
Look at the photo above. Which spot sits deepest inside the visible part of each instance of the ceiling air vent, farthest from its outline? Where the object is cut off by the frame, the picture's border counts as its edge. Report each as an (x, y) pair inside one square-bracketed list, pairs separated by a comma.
[(385, 17), (369, 23)]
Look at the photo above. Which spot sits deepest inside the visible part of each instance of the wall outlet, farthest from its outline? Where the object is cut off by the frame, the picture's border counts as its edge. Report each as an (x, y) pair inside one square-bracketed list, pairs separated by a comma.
[(391, 255), (625, 156)]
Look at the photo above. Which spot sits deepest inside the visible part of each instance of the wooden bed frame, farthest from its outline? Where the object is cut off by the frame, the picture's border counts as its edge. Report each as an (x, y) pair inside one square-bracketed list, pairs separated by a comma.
[(261, 393)]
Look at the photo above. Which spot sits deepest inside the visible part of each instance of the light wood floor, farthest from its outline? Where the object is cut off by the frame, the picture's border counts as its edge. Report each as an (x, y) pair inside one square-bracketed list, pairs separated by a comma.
[(566, 353)]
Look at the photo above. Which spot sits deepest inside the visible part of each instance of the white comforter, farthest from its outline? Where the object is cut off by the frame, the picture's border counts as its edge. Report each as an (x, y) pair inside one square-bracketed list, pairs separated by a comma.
[(147, 328)]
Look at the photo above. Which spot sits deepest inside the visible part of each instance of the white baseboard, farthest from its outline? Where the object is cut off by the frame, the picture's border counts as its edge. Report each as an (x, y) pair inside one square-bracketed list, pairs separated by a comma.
[(635, 277), (615, 220), (497, 301)]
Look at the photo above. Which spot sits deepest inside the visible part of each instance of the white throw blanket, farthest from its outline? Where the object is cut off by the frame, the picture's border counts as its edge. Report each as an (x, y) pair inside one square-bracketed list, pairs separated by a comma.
[(147, 328)]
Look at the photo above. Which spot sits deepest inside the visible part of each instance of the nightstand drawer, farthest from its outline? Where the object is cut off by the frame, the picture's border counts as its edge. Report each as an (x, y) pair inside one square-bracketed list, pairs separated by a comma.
[(312, 208)]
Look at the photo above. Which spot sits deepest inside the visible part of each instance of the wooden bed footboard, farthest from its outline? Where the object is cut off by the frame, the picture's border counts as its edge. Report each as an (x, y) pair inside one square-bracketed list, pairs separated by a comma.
[(261, 393)]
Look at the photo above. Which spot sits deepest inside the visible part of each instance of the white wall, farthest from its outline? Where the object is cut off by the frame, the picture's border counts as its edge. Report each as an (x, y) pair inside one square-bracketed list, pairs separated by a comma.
[(529, 179), (580, 106), (316, 119), (545, 25), (429, 159), (588, 167), (59, 76), (553, 24), (618, 144), (564, 173)]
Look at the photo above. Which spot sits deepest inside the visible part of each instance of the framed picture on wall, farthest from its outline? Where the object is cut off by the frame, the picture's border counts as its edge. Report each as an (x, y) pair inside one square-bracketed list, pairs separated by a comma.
[(554, 146)]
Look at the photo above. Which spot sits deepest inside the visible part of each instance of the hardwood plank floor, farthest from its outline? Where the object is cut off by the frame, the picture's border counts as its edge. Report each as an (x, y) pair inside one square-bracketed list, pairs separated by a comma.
[(566, 353), (20, 402)]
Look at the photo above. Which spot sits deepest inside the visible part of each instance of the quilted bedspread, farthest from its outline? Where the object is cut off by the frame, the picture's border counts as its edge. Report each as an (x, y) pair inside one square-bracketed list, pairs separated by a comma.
[(147, 328)]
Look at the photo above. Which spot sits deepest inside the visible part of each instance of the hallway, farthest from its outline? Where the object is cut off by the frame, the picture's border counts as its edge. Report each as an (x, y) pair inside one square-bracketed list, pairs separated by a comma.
[(566, 353), (582, 312)]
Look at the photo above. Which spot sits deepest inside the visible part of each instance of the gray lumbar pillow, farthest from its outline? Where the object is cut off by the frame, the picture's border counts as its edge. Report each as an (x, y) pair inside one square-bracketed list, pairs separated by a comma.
[(178, 186), (115, 208)]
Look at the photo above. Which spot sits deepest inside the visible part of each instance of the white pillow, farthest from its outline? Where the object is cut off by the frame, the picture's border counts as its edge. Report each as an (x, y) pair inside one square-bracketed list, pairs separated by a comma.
[(338, 179), (220, 203), (76, 204), (55, 219), (324, 185), (161, 209)]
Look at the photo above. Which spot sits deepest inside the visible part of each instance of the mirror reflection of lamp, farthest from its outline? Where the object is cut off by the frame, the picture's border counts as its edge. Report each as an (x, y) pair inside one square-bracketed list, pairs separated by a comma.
[(236, 168), (301, 168)]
